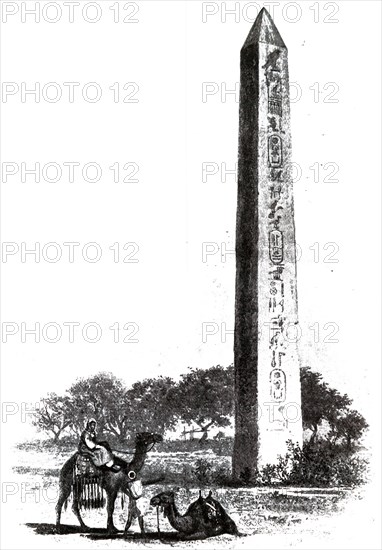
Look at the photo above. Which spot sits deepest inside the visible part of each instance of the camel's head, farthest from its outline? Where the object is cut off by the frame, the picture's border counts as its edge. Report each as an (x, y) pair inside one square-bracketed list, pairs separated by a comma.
[(147, 438), (163, 500)]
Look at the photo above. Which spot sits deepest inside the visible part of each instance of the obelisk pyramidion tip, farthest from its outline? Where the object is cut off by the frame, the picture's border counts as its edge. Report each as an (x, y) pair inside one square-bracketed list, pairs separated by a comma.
[(264, 30)]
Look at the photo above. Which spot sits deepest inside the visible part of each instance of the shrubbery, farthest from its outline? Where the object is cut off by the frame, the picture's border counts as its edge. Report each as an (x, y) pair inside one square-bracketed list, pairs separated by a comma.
[(319, 465)]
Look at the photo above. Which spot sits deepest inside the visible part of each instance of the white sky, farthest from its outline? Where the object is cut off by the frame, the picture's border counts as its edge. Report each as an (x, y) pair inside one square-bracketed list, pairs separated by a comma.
[(169, 133)]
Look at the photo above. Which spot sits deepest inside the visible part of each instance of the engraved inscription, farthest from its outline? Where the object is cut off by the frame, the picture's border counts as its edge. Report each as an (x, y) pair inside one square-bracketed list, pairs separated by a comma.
[(275, 151), (276, 251), (274, 93), (278, 385)]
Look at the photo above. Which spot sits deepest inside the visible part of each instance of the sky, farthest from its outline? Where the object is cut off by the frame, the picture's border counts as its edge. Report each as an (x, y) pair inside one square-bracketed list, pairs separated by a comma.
[(161, 272)]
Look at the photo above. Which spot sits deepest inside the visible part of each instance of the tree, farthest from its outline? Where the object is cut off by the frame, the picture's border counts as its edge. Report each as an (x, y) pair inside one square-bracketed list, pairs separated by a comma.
[(321, 402), (205, 397), (336, 406), (54, 415), (104, 397), (151, 405), (313, 400), (350, 426)]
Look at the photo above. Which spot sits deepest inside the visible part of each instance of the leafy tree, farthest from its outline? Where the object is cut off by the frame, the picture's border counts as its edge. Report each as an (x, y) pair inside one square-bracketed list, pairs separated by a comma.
[(150, 404), (336, 406), (313, 400), (54, 415), (321, 402), (205, 397), (350, 426), (104, 397)]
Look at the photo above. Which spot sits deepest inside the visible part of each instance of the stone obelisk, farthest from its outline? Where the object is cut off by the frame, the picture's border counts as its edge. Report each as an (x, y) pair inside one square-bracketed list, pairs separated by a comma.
[(267, 378)]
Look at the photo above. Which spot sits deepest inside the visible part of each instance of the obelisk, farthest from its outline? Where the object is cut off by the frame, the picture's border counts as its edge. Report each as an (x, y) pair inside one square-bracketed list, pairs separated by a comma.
[(267, 378)]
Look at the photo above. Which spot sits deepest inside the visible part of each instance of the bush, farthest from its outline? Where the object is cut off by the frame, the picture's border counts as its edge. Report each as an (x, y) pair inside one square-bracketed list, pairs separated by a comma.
[(221, 477), (321, 465), (202, 471)]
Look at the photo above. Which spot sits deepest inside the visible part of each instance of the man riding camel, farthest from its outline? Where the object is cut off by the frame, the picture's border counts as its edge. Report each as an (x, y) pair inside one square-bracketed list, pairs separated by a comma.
[(99, 451)]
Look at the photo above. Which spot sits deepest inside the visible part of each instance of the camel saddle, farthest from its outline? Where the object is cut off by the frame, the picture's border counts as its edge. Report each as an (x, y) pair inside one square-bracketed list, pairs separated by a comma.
[(85, 467), (87, 480)]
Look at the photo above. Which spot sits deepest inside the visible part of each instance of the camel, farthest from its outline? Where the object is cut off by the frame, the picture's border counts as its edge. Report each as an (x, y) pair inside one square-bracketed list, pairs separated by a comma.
[(204, 518), (111, 482)]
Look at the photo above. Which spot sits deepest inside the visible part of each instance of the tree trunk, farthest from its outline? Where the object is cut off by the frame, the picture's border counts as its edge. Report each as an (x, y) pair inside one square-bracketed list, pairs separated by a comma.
[(204, 429), (204, 437), (313, 437)]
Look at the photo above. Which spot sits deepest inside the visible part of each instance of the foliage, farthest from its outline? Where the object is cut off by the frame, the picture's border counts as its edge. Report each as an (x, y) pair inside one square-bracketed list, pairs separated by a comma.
[(350, 426), (205, 397), (202, 471), (102, 396), (201, 397), (320, 402), (54, 415), (321, 465), (119, 411), (151, 407)]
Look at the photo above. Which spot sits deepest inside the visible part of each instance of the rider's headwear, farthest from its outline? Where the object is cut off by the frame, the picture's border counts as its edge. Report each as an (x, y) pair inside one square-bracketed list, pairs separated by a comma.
[(90, 421)]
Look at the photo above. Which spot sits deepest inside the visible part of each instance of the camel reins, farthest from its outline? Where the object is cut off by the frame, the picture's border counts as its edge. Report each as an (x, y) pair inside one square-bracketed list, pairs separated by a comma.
[(123, 452)]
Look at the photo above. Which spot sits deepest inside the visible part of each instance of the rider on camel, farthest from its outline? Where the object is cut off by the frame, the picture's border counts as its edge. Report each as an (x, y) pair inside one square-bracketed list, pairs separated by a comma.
[(99, 451)]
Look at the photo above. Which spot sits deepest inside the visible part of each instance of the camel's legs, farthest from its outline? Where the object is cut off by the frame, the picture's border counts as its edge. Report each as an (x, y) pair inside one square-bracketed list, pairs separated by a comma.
[(141, 524), (110, 510), (139, 512), (76, 511), (64, 494), (130, 514)]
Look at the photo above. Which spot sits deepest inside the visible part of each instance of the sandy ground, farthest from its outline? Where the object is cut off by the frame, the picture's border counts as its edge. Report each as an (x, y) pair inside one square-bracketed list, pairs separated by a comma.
[(294, 518)]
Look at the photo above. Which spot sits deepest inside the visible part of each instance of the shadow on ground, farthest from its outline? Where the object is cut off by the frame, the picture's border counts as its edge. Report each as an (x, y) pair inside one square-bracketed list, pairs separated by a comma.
[(98, 533)]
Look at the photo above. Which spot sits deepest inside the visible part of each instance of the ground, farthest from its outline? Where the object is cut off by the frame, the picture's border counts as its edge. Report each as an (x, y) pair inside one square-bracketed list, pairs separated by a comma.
[(269, 518)]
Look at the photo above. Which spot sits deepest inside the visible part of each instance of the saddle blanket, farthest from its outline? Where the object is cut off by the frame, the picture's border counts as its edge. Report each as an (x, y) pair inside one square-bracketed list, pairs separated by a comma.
[(85, 467)]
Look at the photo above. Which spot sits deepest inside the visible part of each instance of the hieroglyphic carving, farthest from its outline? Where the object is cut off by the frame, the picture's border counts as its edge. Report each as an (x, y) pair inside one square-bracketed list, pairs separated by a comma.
[(275, 151), (275, 234), (273, 76), (278, 384), (276, 246), (266, 362)]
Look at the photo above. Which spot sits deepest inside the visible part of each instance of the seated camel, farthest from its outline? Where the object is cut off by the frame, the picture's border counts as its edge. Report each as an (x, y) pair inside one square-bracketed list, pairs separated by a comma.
[(204, 518)]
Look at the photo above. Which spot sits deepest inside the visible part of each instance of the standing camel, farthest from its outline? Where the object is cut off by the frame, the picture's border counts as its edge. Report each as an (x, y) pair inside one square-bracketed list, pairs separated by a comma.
[(111, 482)]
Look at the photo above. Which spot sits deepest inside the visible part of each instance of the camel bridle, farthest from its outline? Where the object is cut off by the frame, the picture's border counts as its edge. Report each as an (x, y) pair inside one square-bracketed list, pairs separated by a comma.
[(150, 448)]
